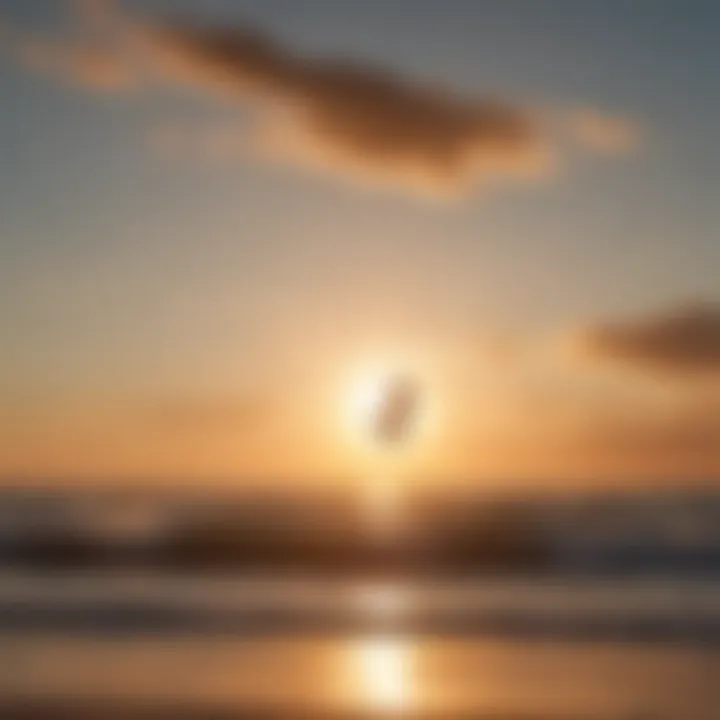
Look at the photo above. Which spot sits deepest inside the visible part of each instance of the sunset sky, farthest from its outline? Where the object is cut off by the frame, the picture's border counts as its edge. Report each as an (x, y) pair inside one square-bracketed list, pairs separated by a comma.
[(220, 218)]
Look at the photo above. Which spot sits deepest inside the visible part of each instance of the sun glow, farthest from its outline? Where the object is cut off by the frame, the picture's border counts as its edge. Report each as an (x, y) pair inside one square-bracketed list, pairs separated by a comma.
[(363, 399), (387, 423)]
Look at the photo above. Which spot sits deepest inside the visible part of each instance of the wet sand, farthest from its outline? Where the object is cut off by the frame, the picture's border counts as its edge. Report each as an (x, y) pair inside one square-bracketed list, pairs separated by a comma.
[(63, 709)]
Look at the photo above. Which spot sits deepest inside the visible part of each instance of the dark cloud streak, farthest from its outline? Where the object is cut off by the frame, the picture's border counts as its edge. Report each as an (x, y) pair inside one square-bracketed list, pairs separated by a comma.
[(685, 341)]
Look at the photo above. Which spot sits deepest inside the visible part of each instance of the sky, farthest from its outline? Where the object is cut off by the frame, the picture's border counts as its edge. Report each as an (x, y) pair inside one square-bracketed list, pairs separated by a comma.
[(221, 220)]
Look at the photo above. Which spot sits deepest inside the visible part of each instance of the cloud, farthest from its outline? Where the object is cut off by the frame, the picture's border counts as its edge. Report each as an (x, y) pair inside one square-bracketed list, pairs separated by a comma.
[(366, 122), (350, 119), (684, 341), (604, 133)]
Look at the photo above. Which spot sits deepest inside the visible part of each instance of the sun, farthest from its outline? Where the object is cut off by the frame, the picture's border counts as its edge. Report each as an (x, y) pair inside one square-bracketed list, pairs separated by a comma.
[(395, 420), (383, 408)]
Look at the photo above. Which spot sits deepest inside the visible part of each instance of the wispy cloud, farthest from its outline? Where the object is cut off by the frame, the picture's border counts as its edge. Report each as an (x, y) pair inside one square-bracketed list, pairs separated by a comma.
[(90, 67), (602, 132), (92, 55), (351, 119)]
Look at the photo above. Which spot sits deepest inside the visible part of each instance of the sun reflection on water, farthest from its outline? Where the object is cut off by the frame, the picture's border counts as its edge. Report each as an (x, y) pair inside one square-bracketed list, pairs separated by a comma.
[(382, 669), (380, 665)]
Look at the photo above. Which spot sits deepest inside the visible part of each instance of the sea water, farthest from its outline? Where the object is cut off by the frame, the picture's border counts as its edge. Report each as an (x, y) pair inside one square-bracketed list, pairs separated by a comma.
[(534, 647)]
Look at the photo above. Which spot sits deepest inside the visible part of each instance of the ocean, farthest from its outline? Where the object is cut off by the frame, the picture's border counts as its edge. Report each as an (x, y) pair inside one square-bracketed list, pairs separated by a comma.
[(600, 634)]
